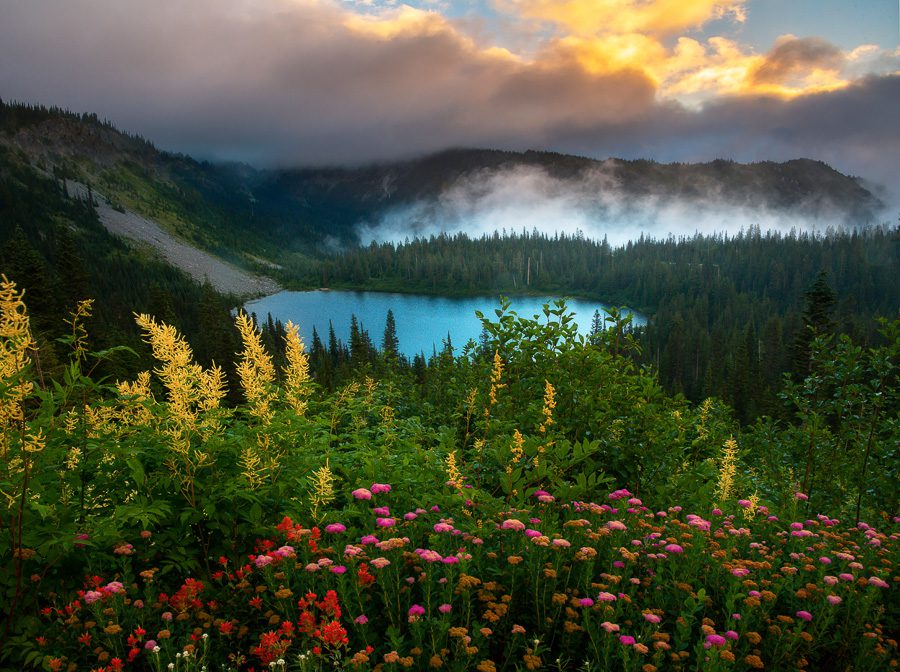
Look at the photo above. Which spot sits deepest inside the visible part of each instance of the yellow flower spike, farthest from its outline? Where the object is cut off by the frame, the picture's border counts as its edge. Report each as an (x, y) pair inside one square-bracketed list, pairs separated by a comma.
[(16, 343), (323, 489), (496, 375), (454, 476), (256, 371), (727, 470), (296, 373), (549, 405), (518, 447)]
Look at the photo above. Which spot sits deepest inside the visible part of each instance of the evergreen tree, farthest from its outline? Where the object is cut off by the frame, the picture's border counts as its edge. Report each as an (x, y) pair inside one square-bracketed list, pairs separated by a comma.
[(390, 346)]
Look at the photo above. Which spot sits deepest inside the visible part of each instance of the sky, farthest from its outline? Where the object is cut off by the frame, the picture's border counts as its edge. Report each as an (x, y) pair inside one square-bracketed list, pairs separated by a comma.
[(311, 82)]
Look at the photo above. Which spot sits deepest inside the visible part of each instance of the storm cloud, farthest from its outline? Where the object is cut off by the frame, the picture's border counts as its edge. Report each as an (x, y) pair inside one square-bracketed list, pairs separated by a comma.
[(312, 82)]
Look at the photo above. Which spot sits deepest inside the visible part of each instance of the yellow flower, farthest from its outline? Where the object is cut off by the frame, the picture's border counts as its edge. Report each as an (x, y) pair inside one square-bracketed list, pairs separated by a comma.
[(296, 373), (549, 405), (727, 470), (496, 375), (323, 488), (454, 477), (256, 371)]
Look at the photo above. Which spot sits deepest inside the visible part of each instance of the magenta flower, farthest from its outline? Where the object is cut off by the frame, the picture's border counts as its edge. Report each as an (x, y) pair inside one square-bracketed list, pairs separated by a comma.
[(674, 548), (586, 602), (451, 560), (385, 522), (652, 618), (335, 528), (627, 640), (833, 599), (443, 527), (362, 619), (381, 511), (368, 539), (416, 610), (606, 597), (113, 587), (616, 526), (361, 493), (714, 640), (805, 615), (731, 634), (262, 560), (740, 571), (150, 644), (801, 496), (531, 534), (338, 569), (378, 488), (878, 582), (92, 596), (745, 503), (410, 516)]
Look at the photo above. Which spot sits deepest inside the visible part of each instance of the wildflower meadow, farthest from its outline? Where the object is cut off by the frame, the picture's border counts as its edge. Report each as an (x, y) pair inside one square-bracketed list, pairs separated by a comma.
[(546, 507)]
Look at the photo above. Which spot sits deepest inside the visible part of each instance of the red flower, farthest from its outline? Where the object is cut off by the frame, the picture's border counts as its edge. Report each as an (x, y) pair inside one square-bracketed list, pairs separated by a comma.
[(139, 631), (334, 634), (56, 664), (226, 628), (256, 603), (116, 664), (365, 577), (42, 641), (223, 560), (285, 525), (134, 653), (287, 628), (85, 639)]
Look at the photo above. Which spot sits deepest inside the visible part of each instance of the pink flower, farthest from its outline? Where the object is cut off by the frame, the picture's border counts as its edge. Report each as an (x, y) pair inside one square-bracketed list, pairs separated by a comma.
[(428, 555), (561, 543), (146, 534), (610, 627), (351, 551), (312, 567), (512, 524), (167, 616), (652, 618), (124, 549), (445, 608), (378, 488), (92, 596), (627, 640), (361, 493), (546, 499), (586, 602), (717, 512), (113, 587), (805, 615), (451, 560), (830, 580), (801, 496), (740, 571), (381, 511), (443, 527), (362, 619), (416, 610), (616, 526), (262, 561), (825, 560), (150, 644), (674, 548), (410, 516), (335, 528), (380, 563), (731, 634), (745, 503), (833, 599), (531, 534), (878, 582), (844, 576), (368, 539), (338, 569), (385, 522), (606, 597), (714, 640)]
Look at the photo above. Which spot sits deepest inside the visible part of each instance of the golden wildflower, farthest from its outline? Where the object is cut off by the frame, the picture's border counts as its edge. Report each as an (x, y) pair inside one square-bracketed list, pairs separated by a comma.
[(458, 632), (754, 661), (496, 376), (296, 373), (549, 405), (392, 657), (435, 661), (531, 661), (726, 655), (647, 667), (16, 343), (256, 371), (454, 477), (486, 666), (754, 637), (112, 629), (514, 559), (518, 447), (323, 488), (727, 470), (467, 582)]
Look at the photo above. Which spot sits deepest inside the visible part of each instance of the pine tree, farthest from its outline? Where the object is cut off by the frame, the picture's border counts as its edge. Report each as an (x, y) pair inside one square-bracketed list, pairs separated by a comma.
[(390, 346)]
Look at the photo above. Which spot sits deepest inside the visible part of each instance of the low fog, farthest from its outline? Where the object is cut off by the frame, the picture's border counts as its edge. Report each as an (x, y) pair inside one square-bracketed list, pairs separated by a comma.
[(527, 198)]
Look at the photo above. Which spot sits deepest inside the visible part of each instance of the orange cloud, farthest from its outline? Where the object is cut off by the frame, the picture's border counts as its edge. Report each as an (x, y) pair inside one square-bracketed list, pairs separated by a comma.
[(648, 17)]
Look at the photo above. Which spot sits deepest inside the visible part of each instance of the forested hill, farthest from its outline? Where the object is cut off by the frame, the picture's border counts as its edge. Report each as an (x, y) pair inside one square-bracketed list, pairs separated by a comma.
[(282, 216)]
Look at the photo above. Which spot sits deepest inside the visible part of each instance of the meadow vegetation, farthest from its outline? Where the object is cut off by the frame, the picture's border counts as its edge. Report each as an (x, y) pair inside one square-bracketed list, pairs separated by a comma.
[(540, 502)]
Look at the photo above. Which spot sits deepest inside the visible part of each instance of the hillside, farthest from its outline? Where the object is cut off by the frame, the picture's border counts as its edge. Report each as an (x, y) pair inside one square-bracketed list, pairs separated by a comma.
[(256, 217)]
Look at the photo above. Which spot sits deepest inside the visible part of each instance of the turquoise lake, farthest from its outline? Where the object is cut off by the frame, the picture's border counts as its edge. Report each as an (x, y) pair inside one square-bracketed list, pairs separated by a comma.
[(423, 322)]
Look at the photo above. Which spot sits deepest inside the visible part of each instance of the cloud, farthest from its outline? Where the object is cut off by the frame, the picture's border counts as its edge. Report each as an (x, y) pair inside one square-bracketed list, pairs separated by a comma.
[(594, 203), (318, 81)]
